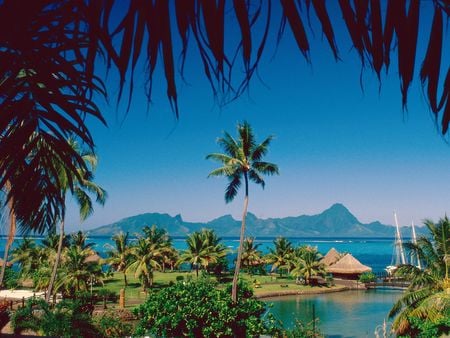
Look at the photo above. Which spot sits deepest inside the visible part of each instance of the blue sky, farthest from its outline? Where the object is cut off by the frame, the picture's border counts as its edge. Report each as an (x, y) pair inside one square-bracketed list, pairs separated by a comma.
[(334, 142)]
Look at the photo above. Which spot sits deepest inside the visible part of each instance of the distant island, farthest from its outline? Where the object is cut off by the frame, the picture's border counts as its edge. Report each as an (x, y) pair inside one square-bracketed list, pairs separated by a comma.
[(336, 221)]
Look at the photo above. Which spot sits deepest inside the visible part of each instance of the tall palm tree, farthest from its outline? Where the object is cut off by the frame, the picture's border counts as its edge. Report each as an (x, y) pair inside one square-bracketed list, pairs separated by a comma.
[(242, 161), (81, 187), (308, 265), (145, 257), (11, 234), (281, 255), (427, 297), (119, 255)]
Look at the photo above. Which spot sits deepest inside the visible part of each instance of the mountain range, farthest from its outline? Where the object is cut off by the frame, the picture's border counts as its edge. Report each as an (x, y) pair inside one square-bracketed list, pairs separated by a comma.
[(336, 221)]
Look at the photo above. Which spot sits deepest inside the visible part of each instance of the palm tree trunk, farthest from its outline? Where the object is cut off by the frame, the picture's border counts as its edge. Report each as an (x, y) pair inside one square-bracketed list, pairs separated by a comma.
[(125, 278), (11, 234), (241, 244), (57, 259)]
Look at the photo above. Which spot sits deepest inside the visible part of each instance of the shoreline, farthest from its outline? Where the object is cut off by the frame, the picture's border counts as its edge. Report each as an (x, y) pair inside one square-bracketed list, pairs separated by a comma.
[(316, 291)]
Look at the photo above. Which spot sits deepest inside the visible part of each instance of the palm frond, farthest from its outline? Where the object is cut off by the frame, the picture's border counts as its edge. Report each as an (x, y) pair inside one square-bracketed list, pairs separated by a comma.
[(232, 188), (266, 168), (259, 151)]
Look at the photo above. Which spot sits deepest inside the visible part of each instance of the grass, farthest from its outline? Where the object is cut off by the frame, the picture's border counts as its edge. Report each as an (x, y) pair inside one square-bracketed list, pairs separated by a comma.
[(268, 284)]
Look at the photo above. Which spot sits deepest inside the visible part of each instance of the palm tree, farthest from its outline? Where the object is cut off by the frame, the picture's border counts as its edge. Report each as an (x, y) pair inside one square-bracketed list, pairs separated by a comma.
[(11, 234), (281, 255), (119, 255), (27, 255), (81, 187), (251, 256), (427, 297), (203, 248), (242, 160), (308, 265), (77, 272), (145, 257)]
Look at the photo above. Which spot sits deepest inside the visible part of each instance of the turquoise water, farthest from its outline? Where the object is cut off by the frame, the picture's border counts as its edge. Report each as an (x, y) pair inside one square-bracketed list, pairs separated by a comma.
[(341, 314)]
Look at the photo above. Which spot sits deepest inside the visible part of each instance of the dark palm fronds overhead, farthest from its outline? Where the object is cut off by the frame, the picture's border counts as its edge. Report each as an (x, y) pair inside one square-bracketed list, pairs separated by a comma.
[(50, 52)]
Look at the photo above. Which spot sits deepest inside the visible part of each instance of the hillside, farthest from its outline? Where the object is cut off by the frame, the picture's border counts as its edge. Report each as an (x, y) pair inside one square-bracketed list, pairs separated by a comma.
[(337, 221)]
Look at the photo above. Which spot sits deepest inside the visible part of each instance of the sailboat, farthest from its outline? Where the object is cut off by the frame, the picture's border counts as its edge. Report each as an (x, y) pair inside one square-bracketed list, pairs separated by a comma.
[(415, 259), (398, 257)]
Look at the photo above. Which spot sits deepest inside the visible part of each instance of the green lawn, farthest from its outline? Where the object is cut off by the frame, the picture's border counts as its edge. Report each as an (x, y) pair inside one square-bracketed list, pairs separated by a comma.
[(134, 294)]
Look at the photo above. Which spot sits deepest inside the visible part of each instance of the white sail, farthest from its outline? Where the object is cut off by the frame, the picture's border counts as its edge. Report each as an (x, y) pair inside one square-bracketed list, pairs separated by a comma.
[(400, 253), (415, 253)]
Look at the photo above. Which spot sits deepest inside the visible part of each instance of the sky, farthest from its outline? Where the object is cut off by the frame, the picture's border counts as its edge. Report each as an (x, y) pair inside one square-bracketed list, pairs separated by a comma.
[(335, 142)]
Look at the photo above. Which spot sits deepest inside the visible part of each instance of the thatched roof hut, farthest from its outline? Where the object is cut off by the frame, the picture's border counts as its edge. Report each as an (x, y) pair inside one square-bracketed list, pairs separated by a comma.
[(348, 267), (94, 258), (331, 257)]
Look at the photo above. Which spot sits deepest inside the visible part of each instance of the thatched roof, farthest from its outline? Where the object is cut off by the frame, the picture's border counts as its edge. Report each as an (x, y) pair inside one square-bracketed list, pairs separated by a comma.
[(94, 258), (331, 257), (348, 264)]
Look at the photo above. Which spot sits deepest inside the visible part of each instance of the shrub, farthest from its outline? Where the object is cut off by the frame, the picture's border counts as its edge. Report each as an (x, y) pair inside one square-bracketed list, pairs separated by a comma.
[(367, 277), (199, 309), (110, 325), (67, 319), (11, 278)]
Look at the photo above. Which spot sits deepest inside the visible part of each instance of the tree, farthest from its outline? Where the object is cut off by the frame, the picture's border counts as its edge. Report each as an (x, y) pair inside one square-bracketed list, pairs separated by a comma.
[(81, 186), (281, 255), (119, 255), (308, 265), (77, 272), (200, 309), (203, 249), (251, 256), (11, 234), (52, 94), (144, 258), (26, 254), (242, 160), (427, 298)]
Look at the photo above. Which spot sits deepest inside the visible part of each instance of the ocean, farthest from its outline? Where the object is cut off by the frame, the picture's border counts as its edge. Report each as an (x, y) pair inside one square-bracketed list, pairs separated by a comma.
[(373, 252)]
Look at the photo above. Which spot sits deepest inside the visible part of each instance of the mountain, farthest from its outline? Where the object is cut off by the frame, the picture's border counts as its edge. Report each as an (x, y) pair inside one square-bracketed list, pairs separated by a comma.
[(337, 221)]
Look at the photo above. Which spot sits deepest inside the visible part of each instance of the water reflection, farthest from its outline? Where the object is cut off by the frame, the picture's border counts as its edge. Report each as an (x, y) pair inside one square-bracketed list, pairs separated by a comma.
[(341, 314)]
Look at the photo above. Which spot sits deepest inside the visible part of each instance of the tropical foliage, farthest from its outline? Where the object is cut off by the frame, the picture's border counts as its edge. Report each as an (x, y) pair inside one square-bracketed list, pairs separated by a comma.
[(426, 304), (199, 309), (308, 265), (119, 255), (51, 68), (280, 256), (66, 319), (81, 187), (203, 250), (251, 257), (242, 161)]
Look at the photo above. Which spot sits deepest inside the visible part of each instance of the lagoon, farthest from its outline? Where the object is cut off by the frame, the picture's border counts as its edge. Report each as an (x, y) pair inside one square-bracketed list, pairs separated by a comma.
[(344, 314)]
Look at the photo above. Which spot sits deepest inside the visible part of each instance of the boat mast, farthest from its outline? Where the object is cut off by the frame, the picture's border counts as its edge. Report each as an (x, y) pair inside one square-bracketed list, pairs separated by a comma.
[(414, 240), (398, 243)]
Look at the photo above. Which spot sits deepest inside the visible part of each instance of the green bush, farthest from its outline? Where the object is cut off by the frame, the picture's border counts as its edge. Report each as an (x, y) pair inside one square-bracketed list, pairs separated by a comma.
[(67, 319), (367, 277), (199, 309), (109, 325), (11, 278)]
